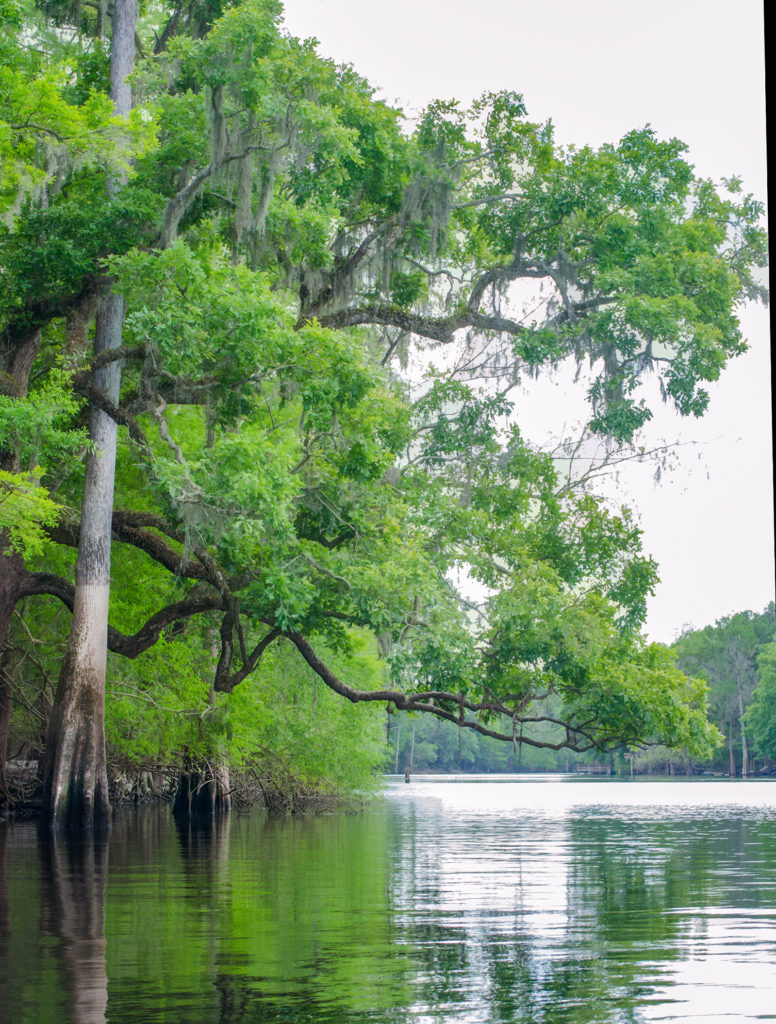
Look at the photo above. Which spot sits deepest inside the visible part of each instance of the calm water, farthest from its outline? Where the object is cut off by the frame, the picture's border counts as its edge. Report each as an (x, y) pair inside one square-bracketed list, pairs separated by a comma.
[(449, 901)]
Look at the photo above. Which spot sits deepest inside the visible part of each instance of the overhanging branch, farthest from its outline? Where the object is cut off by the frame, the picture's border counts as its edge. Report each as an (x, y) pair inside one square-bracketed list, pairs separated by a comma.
[(128, 645), (576, 739)]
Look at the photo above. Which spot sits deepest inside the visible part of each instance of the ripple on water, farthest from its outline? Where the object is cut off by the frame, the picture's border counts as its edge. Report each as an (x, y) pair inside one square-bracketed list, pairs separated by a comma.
[(450, 902)]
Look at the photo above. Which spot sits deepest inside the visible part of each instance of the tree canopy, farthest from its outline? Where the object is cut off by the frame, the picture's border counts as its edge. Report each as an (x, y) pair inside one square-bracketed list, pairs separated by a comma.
[(287, 247), (732, 656)]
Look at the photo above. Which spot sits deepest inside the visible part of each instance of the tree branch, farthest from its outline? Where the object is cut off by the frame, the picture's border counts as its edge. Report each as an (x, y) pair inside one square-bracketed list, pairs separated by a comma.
[(440, 328), (128, 645), (225, 682), (412, 702)]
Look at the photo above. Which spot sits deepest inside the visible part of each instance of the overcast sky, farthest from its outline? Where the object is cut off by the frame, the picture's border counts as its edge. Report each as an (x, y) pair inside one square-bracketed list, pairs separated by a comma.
[(693, 69)]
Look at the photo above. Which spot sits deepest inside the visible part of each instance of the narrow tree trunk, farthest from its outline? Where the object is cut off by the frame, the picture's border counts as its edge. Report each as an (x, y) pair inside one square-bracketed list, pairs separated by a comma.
[(5, 721), (744, 748), (396, 750), (75, 785), (11, 575), (731, 753)]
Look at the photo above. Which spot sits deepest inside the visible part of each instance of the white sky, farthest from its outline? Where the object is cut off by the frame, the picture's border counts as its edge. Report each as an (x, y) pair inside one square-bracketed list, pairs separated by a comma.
[(692, 69)]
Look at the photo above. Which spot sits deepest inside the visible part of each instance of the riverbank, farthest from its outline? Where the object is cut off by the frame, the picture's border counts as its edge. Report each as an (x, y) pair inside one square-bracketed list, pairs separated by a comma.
[(242, 791)]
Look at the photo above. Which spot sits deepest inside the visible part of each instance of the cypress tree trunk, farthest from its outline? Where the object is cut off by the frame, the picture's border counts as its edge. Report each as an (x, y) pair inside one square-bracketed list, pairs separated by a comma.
[(202, 795), (75, 785)]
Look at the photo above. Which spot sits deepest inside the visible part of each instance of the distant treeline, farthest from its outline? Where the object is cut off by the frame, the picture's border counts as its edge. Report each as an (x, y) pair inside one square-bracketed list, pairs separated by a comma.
[(737, 658)]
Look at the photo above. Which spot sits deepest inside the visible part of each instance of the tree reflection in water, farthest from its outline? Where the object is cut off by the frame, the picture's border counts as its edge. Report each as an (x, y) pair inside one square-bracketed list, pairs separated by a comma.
[(487, 905), (74, 869), (598, 915)]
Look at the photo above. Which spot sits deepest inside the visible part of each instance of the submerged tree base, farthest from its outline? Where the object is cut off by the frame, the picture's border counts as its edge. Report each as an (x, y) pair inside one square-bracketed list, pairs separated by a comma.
[(193, 794), (202, 792)]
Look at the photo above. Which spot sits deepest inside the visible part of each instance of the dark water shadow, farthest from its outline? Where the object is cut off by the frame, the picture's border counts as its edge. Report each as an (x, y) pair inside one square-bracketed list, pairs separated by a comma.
[(203, 840), (73, 874), (5, 916)]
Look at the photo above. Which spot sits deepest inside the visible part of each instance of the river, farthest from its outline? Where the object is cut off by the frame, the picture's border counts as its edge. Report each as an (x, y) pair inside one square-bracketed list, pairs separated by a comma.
[(447, 901)]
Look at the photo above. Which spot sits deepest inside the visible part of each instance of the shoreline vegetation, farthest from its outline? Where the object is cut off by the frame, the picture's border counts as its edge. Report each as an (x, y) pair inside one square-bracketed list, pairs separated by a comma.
[(330, 754), (27, 804), (736, 657)]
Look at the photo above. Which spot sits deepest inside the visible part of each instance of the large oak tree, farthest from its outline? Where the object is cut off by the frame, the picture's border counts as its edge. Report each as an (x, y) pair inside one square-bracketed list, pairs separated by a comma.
[(282, 245)]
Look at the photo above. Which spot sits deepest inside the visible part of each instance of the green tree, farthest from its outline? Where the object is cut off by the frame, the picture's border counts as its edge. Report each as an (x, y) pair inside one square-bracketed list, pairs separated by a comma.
[(726, 655), (275, 247), (761, 714)]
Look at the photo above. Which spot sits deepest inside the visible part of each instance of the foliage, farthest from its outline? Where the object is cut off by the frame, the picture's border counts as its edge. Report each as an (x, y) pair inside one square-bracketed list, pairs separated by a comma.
[(726, 656), (39, 427), (25, 511), (283, 489), (56, 119), (162, 715), (761, 714)]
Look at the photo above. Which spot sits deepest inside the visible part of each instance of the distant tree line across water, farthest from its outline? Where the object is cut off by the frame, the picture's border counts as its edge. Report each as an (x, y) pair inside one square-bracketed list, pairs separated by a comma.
[(737, 657)]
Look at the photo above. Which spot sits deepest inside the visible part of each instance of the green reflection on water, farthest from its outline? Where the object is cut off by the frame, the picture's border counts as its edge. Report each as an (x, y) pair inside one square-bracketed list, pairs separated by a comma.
[(259, 917), (401, 912)]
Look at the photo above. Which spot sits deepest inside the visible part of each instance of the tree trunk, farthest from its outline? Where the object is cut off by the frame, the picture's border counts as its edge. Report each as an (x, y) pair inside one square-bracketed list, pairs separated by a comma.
[(731, 753), (5, 723), (12, 573), (202, 795), (744, 748), (75, 784)]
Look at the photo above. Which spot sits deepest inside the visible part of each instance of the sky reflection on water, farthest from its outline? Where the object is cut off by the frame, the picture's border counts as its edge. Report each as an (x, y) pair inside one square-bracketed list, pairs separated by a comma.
[(449, 902), (629, 900)]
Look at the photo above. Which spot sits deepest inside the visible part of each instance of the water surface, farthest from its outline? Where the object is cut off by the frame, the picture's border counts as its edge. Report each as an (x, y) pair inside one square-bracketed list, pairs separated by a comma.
[(450, 900)]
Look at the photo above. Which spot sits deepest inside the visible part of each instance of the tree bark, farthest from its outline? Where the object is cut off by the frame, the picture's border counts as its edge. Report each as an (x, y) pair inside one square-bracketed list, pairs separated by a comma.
[(744, 748), (12, 573), (5, 726), (731, 753), (75, 783), (202, 794)]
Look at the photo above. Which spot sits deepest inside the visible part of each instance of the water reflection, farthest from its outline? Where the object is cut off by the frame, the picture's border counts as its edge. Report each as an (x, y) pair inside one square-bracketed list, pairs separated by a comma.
[(592, 903), (72, 909), (52, 927)]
